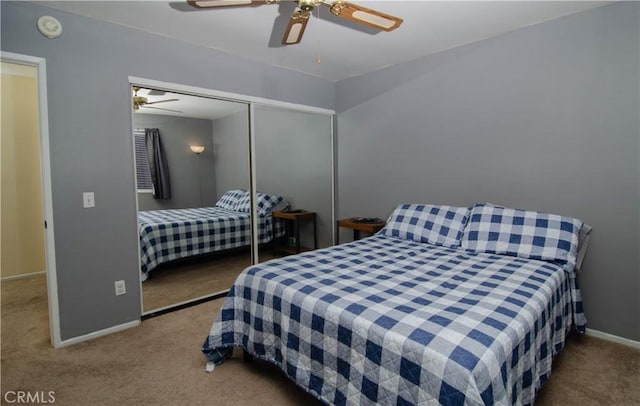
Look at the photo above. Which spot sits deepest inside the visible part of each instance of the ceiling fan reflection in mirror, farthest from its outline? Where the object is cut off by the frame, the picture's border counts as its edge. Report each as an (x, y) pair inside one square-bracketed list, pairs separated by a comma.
[(141, 101), (300, 17)]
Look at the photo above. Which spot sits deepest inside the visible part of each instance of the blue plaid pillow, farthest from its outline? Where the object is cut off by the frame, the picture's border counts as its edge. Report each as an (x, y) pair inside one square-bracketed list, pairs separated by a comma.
[(520, 233), (265, 203), (229, 199), (244, 202), (437, 225)]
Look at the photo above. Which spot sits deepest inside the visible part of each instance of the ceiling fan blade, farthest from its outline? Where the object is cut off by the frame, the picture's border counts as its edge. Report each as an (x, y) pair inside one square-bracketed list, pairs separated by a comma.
[(158, 108), (364, 15), (161, 101), (226, 3), (154, 92), (295, 28), (280, 23)]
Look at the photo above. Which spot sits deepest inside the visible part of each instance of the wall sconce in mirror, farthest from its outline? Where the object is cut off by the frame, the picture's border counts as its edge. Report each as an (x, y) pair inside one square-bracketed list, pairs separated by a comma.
[(197, 149)]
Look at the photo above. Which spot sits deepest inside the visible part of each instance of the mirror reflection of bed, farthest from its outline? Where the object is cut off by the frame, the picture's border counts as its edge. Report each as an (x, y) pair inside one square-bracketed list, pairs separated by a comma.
[(197, 239), (205, 144)]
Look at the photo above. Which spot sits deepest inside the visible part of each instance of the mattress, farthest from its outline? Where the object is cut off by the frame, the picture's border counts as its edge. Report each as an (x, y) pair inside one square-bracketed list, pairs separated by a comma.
[(167, 235), (390, 321)]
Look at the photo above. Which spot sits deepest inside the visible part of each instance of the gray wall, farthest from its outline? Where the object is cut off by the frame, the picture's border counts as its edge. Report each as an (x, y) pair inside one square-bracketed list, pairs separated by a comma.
[(231, 152), (544, 118), (186, 169), (90, 128), (293, 160)]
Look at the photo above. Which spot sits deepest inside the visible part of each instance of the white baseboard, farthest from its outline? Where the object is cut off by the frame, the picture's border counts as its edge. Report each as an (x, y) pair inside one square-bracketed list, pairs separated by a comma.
[(611, 337), (25, 275), (96, 334)]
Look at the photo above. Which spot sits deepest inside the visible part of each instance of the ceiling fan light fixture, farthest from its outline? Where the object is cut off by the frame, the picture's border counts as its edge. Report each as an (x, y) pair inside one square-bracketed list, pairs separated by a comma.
[(307, 5), (141, 101)]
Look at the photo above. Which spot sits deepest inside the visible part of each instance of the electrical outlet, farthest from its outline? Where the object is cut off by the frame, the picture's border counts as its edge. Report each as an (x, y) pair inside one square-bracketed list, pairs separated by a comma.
[(88, 200), (121, 289)]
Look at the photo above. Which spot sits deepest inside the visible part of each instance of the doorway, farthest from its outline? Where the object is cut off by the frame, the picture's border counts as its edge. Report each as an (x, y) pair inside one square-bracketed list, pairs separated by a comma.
[(27, 268)]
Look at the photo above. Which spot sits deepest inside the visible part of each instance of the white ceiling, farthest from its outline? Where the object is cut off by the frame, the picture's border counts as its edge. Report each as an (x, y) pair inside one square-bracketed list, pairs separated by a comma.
[(344, 51)]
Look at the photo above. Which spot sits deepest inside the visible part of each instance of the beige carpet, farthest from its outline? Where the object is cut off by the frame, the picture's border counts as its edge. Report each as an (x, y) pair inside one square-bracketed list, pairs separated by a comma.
[(160, 363), (189, 279)]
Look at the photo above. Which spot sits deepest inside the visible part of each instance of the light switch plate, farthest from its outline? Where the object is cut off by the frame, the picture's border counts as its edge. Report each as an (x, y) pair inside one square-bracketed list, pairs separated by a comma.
[(121, 288), (88, 200)]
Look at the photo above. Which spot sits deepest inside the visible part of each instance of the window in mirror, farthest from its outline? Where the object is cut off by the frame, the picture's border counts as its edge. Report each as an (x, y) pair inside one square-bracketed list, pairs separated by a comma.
[(143, 172)]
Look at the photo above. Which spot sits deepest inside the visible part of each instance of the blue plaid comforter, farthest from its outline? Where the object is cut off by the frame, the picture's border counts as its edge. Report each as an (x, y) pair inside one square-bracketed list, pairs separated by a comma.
[(166, 235), (394, 322)]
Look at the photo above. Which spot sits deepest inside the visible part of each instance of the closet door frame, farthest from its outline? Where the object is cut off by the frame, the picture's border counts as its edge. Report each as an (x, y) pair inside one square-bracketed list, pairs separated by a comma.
[(252, 101)]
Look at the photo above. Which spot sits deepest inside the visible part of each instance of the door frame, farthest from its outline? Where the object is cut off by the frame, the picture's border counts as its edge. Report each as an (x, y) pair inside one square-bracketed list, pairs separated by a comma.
[(47, 196)]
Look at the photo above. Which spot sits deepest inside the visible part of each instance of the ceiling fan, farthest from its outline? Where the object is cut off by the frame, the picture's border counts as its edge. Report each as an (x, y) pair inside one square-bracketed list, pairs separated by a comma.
[(141, 101), (300, 17)]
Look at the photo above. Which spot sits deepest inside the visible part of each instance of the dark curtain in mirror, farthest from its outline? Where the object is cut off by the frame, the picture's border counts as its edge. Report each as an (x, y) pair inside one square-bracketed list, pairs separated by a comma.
[(158, 164)]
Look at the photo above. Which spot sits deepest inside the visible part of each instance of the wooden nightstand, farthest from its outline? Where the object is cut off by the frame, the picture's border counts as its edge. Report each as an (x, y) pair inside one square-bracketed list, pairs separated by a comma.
[(357, 226), (292, 229)]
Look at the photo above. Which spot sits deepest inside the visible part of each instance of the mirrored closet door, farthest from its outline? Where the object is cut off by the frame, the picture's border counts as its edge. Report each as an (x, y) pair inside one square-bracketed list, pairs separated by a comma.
[(194, 213), (294, 161)]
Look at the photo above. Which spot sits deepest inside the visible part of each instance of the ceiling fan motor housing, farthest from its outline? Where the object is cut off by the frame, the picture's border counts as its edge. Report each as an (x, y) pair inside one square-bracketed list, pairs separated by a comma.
[(307, 5)]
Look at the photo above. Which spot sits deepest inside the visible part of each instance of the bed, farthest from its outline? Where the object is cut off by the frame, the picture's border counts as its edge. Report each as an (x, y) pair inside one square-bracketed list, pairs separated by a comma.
[(168, 235), (445, 305)]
